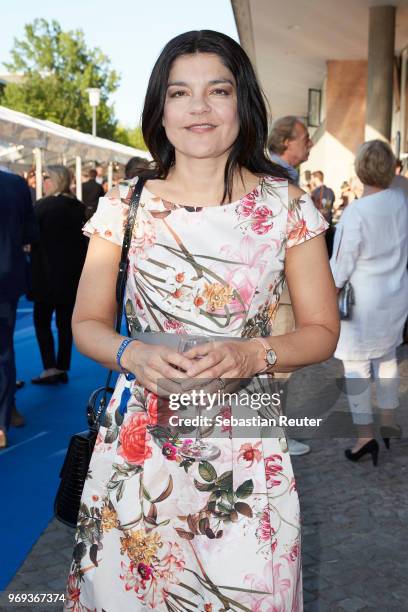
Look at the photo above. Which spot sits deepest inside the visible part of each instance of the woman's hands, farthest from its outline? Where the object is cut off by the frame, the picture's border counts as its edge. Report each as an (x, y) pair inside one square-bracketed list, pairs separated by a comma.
[(225, 360), (156, 367), (164, 371)]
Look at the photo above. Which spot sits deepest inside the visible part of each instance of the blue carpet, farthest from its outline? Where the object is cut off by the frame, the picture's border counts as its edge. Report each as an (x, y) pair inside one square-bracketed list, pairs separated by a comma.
[(29, 467)]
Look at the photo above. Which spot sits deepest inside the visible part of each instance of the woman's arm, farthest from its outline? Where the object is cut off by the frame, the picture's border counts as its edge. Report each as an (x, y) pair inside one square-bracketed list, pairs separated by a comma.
[(95, 308), (94, 317)]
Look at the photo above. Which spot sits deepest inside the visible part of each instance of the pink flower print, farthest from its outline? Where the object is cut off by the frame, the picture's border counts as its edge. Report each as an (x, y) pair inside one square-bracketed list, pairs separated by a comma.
[(244, 275), (292, 486), (298, 232), (73, 593), (264, 530), (273, 470), (133, 579), (271, 583), (262, 220), (247, 205), (145, 571), (169, 451), (143, 237), (294, 551), (250, 453), (174, 326), (226, 414)]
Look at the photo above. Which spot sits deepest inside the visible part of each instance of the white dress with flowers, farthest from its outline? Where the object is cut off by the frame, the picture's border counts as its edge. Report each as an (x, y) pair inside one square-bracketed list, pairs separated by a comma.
[(155, 530)]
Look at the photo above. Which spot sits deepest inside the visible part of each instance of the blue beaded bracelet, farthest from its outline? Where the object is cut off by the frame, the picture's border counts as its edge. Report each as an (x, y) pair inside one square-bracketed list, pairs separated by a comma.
[(120, 352)]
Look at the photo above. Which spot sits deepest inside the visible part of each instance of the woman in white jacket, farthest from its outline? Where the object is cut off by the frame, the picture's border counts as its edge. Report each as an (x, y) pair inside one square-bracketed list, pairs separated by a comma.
[(371, 251)]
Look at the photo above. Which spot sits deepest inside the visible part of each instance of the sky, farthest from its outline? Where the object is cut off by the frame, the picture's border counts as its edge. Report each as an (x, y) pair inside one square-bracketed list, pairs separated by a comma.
[(131, 33)]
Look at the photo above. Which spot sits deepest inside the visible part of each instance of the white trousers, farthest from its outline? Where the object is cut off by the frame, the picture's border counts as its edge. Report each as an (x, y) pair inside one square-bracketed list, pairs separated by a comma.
[(358, 375)]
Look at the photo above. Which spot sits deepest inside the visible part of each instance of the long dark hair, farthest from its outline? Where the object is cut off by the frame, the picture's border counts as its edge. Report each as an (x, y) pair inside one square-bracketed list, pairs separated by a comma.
[(248, 150)]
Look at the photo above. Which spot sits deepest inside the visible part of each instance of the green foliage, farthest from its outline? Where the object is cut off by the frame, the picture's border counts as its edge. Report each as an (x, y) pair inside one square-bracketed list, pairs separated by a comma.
[(132, 137), (57, 67)]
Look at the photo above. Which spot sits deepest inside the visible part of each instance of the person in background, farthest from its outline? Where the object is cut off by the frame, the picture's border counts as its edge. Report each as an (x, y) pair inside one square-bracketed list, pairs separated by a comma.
[(134, 166), (371, 251), (100, 174), (91, 192), (323, 198), (57, 261), (32, 182), (105, 185), (17, 229), (289, 145)]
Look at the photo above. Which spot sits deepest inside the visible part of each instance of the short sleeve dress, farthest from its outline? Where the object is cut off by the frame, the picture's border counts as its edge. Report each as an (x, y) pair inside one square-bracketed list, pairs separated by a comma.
[(155, 530)]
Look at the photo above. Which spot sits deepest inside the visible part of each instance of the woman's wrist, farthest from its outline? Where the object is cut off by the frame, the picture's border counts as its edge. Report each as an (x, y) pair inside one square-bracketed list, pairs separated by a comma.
[(265, 357), (124, 353), (256, 355)]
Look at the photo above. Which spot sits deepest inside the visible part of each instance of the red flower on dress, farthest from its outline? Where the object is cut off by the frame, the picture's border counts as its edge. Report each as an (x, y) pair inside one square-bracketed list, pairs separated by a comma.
[(145, 571), (262, 220), (272, 470), (264, 530), (169, 451), (226, 415), (133, 440), (250, 453), (298, 231), (247, 205), (73, 593), (172, 325)]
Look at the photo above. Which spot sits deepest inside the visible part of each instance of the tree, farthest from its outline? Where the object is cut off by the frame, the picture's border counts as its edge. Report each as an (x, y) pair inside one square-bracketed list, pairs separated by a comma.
[(132, 137), (57, 67)]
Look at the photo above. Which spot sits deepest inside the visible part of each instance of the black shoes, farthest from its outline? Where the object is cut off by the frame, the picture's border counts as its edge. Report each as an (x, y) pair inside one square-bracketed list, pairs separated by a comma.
[(390, 431), (52, 379), (371, 447)]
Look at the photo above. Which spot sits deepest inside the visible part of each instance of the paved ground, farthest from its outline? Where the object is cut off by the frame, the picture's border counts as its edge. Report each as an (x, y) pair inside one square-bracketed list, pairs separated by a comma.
[(355, 518)]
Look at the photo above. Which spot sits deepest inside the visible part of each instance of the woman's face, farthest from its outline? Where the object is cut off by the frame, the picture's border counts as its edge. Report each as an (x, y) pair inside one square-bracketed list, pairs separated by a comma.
[(200, 112)]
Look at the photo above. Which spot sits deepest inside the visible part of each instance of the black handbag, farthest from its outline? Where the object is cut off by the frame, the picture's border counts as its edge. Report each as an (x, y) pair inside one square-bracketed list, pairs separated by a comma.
[(76, 463)]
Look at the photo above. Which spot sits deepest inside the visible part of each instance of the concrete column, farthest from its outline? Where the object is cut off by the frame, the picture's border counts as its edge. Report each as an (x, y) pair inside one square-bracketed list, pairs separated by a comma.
[(381, 44)]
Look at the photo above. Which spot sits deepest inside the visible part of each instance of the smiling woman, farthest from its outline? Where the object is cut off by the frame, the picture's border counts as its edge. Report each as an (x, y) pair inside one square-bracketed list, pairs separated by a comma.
[(216, 232)]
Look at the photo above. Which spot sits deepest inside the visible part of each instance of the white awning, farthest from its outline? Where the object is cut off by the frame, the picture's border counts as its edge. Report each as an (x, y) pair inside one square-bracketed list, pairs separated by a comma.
[(20, 134)]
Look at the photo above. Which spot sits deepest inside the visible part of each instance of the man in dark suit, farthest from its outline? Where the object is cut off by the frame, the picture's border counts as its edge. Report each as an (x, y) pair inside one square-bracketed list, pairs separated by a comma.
[(91, 192), (17, 228)]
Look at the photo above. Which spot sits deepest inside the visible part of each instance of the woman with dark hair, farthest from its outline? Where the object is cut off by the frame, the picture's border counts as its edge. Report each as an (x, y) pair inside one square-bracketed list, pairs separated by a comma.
[(217, 230), (57, 261)]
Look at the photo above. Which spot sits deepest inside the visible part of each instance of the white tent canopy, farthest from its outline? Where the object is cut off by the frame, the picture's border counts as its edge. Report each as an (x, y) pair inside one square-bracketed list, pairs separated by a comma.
[(18, 130), (25, 139)]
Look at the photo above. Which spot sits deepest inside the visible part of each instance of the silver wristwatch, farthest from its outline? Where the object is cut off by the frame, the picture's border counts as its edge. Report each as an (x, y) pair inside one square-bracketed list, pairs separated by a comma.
[(270, 356)]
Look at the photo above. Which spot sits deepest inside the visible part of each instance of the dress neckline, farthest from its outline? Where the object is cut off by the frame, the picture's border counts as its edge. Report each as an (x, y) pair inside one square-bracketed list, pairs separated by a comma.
[(253, 193)]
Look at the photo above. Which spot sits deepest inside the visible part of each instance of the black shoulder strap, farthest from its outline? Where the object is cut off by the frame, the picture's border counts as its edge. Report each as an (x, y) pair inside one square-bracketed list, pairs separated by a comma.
[(124, 261)]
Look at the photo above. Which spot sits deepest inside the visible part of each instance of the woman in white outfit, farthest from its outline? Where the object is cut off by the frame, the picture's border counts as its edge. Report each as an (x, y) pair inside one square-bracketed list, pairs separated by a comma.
[(371, 251)]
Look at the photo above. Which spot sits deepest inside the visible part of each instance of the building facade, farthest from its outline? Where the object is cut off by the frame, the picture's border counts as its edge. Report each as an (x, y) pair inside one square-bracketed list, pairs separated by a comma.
[(341, 67)]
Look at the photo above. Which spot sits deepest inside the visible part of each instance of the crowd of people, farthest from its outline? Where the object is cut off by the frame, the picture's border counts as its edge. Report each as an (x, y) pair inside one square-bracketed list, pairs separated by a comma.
[(43, 253)]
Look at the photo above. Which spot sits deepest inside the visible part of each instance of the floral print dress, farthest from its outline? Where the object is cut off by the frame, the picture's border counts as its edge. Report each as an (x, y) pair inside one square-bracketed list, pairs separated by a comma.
[(156, 530)]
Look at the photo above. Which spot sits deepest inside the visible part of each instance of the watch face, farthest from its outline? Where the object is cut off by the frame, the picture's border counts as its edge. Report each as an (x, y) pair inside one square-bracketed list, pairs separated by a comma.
[(271, 357)]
